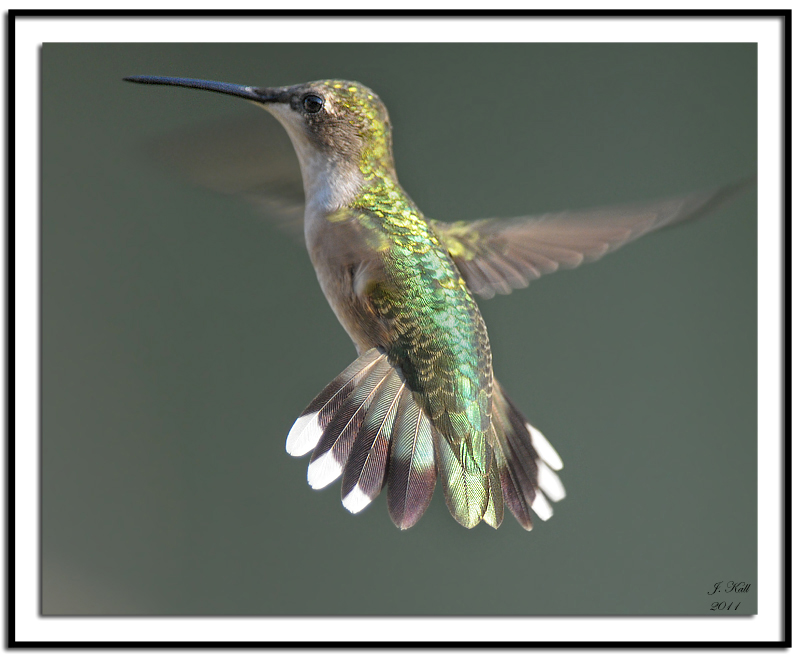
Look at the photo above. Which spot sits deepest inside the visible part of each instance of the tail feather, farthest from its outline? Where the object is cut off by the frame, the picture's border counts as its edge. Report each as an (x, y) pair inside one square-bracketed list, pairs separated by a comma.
[(544, 449), (494, 509), (516, 446), (331, 453), (466, 489), (550, 483), (412, 466), (365, 471), (307, 430), (512, 489), (541, 507), (530, 461)]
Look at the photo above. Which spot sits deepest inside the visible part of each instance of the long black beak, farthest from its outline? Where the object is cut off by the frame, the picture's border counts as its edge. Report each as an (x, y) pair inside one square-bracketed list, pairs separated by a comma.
[(256, 94)]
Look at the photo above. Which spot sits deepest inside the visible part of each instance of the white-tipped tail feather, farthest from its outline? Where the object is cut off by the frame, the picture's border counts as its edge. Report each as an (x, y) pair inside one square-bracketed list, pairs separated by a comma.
[(544, 449), (526, 461), (356, 500), (541, 507), (306, 432), (550, 483), (304, 435), (325, 470)]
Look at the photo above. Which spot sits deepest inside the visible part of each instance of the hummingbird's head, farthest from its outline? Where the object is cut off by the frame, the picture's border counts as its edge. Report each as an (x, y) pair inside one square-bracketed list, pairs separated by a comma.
[(340, 130), (343, 121)]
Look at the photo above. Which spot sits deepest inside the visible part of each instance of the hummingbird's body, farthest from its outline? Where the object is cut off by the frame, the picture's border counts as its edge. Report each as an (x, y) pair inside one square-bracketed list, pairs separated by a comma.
[(394, 287), (421, 399)]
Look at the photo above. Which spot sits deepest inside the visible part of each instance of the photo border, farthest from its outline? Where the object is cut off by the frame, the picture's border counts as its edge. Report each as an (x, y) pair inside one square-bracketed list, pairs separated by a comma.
[(23, 209)]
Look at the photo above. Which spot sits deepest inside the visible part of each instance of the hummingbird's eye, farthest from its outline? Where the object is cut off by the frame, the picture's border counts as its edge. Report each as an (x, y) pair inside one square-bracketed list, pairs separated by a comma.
[(312, 103)]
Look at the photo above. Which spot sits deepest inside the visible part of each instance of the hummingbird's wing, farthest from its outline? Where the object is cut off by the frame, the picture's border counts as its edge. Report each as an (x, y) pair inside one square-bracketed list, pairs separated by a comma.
[(251, 158), (498, 255)]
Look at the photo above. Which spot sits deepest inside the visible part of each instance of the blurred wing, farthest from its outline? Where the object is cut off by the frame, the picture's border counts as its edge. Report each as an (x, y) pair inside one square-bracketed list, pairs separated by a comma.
[(498, 255), (252, 158)]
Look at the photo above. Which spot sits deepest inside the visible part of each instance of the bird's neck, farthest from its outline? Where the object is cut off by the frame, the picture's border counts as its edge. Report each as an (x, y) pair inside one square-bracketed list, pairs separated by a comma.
[(333, 183), (334, 179)]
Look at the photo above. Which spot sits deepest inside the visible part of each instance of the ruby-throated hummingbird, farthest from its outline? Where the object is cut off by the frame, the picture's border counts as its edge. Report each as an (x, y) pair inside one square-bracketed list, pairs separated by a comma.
[(421, 400)]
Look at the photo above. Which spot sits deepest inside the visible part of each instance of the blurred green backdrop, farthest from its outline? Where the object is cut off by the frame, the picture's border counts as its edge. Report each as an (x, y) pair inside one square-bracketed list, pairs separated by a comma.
[(182, 334)]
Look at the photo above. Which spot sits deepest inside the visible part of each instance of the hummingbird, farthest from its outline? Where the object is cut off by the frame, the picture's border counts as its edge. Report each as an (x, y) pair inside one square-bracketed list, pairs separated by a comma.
[(421, 401)]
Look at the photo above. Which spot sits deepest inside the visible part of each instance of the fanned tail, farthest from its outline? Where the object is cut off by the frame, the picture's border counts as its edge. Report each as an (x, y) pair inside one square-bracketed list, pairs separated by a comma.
[(368, 427)]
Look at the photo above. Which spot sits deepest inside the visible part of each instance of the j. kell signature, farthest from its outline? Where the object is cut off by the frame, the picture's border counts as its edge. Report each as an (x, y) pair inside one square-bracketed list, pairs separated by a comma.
[(730, 587)]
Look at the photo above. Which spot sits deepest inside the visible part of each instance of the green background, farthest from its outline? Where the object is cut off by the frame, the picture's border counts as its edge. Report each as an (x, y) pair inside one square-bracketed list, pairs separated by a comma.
[(182, 334)]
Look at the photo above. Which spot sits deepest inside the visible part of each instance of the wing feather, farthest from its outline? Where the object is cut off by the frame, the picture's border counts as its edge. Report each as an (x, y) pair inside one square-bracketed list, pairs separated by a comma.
[(499, 255)]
